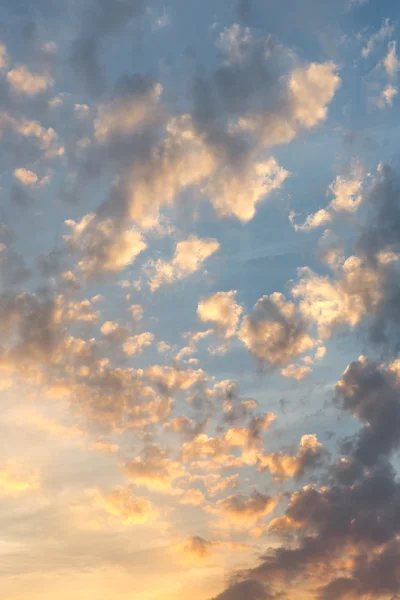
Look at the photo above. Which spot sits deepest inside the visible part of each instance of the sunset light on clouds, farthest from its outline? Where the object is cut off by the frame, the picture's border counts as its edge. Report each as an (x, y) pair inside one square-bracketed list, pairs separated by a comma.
[(199, 300)]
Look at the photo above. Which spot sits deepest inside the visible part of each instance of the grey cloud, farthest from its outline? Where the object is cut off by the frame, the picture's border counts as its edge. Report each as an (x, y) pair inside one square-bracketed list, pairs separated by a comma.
[(98, 20), (371, 393), (356, 510), (245, 590)]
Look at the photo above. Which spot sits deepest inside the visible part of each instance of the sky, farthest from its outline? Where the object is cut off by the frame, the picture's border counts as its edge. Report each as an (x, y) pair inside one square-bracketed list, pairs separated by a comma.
[(199, 300)]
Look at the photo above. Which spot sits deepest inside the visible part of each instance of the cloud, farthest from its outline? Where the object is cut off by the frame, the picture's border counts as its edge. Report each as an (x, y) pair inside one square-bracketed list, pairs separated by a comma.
[(194, 549), (4, 58), (310, 455), (275, 332), (347, 197), (136, 344), (339, 539), (346, 301), (213, 453), (22, 81), (297, 372), (391, 62), (16, 481), (238, 193), (133, 108), (122, 504), (249, 590), (218, 149), (193, 498), (365, 285), (331, 249), (46, 139), (370, 392), (170, 380), (385, 31), (188, 258), (222, 311), (155, 471), (387, 96), (104, 245), (29, 178), (241, 509)]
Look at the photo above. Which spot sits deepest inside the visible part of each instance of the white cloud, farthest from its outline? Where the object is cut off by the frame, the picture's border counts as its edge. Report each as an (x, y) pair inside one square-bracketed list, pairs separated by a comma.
[(22, 81), (136, 344), (378, 37), (222, 310), (29, 178), (188, 258), (391, 61), (103, 246)]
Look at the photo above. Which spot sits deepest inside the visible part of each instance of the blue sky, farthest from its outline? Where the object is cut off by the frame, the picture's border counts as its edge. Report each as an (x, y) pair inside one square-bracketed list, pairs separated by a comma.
[(199, 267)]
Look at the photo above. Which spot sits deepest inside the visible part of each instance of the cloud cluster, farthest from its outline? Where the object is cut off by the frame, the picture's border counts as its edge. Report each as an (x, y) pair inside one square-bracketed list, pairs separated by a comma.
[(259, 96), (343, 534)]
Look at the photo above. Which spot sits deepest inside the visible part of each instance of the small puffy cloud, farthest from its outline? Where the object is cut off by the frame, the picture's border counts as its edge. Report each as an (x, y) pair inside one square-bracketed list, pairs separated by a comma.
[(16, 481), (22, 81), (391, 62), (320, 218), (136, 344), (275, 332), (46, 139), (29, 178), (81, 110), (57, 101), (346, 193), (387, 96), (222, 311), (163, 347), (110, 328), (125, 506), (136, 311), (188, 258), (312, 88), (103, 245)]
